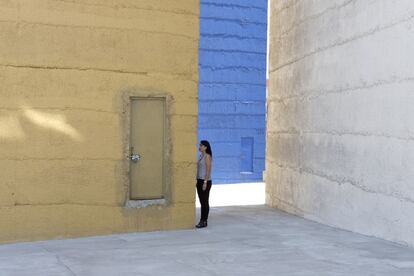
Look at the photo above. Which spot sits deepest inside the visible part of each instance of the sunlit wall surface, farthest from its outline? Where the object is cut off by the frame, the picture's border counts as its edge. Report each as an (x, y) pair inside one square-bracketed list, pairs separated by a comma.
[(232, 86), (68, 70)]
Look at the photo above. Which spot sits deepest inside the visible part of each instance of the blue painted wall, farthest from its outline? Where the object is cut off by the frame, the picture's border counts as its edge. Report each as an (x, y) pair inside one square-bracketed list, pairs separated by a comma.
[(232, 86)]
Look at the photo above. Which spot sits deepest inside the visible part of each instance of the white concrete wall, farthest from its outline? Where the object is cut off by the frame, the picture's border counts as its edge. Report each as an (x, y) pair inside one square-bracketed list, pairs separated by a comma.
[(340, 141)]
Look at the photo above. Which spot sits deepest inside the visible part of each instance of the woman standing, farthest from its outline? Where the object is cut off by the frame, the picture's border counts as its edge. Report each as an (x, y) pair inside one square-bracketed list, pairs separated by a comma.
[(204, 181)]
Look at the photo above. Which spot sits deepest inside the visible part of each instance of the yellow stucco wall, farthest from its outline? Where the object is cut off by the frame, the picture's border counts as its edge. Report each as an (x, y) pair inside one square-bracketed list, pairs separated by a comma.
[(67, 68)]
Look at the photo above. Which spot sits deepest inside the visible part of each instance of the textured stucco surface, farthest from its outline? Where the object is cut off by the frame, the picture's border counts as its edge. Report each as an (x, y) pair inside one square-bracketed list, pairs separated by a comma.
[(340, 146), (232, 92), (67, 69)]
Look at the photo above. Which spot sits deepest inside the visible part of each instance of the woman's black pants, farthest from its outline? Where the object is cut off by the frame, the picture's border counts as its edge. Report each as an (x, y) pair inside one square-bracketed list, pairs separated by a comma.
[(203, 197)]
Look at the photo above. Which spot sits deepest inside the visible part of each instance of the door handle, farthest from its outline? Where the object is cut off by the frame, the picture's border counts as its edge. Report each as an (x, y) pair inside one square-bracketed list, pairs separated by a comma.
[(134, 157)]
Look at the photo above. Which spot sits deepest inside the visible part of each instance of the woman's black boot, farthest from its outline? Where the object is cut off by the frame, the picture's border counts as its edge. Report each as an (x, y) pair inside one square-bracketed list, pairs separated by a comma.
[(202, 224)]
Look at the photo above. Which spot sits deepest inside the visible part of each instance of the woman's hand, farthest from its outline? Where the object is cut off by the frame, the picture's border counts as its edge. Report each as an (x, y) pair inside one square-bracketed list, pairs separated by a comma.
[(205, 185)]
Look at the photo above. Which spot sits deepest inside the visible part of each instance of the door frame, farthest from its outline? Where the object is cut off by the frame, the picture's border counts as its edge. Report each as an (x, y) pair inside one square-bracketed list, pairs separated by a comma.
[(128, 97)]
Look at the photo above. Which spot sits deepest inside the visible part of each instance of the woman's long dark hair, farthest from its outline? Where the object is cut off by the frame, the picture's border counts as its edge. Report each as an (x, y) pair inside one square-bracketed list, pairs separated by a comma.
[(207, 144)]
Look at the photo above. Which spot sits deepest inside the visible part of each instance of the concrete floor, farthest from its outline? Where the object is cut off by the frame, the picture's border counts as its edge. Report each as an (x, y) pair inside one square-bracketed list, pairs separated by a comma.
[(238, 194), (241, 240)]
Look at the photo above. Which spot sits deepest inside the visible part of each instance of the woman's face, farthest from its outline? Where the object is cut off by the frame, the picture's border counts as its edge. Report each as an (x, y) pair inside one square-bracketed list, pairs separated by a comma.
[(202, 148)]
